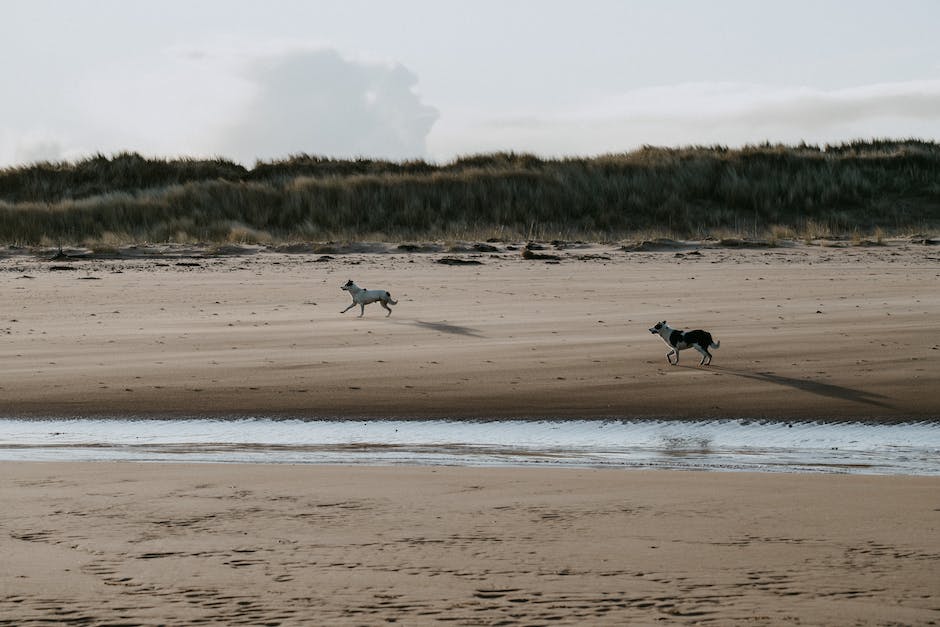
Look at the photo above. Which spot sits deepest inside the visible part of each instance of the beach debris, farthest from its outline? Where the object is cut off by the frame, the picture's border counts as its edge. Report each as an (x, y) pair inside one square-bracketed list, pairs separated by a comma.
[(418, 248), (528, 254), (560, 244), (457, 261), (651, 246), (485, 248), (734, 242)]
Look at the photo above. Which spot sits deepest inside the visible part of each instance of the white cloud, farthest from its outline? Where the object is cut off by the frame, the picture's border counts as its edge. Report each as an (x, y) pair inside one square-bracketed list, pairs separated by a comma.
[(316, 101), (704, 113), (271, 99), (243, 102)]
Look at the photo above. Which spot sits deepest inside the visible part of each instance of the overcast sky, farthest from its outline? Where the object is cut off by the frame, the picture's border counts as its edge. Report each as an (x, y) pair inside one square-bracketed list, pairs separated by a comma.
[(435, 79)]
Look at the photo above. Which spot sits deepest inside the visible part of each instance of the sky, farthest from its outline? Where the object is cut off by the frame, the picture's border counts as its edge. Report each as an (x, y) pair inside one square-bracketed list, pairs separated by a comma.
[(253, 80)]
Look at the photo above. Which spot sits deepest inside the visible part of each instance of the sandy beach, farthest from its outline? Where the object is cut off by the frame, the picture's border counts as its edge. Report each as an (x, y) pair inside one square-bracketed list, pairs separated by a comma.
[(807, 332), (106, 543)]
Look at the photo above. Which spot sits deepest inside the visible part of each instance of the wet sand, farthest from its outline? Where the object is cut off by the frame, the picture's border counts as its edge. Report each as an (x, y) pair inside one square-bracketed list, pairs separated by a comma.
[(809, 332), (108, 543), (903, 449)]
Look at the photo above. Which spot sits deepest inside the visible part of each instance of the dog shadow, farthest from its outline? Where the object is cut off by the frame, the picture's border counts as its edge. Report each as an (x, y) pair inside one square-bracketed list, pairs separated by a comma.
[(444, 327), (806, 385)]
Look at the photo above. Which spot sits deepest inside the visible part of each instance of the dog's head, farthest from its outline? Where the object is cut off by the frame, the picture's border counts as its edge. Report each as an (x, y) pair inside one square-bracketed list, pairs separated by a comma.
[(348, 285), (658, 327)]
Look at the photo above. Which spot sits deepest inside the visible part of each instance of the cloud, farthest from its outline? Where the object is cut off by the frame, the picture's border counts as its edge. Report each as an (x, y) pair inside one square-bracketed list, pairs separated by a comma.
[(245, 103), (272, 99), (318, 102), (706, 113)]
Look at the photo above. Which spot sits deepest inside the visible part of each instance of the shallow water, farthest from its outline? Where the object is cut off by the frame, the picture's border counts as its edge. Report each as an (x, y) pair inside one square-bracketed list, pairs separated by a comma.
[(907, 449)]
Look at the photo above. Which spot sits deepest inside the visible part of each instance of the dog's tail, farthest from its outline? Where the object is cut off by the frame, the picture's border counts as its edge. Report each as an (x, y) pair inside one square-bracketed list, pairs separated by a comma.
[(389, 298), (715, 344)]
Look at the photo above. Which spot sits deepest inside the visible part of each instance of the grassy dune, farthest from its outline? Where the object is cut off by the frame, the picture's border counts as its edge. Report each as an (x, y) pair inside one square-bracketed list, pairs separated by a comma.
[(765, 191)]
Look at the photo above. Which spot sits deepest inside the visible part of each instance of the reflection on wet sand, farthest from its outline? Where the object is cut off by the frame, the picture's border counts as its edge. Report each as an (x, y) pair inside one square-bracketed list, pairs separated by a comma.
[(910, 448)]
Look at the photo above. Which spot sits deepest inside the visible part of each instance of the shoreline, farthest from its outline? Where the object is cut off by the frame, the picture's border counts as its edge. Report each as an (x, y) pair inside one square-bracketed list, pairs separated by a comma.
[(717, 446), (600, 418)]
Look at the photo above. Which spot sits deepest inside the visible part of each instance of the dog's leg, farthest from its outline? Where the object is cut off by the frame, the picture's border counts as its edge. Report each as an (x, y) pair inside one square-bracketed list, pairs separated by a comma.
[(670, 354), (384, 304), (350, 307), (706, 356), (362, 309)]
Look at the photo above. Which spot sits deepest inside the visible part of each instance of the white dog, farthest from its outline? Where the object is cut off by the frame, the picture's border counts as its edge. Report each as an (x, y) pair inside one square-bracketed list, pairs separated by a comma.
[(681, 340), (363, 297)]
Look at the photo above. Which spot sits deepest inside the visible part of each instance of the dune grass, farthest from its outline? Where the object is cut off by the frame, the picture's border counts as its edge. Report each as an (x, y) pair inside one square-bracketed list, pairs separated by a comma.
[(770, 191)]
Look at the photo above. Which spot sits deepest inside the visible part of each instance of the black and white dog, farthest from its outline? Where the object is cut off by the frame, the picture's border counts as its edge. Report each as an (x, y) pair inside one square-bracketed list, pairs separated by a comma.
[(363, 297), (681, 340)]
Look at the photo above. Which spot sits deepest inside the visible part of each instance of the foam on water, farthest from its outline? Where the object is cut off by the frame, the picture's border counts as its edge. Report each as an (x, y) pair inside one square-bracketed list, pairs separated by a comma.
[(910, 448)]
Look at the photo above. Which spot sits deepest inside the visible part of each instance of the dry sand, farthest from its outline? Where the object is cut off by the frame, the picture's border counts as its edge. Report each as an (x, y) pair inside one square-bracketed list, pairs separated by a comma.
[(107, 543), (805, 331)]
